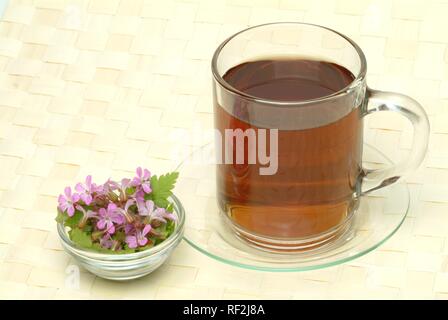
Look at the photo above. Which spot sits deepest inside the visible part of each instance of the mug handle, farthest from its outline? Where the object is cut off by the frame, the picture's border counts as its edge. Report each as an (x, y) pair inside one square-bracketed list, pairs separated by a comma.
[(390, 101)]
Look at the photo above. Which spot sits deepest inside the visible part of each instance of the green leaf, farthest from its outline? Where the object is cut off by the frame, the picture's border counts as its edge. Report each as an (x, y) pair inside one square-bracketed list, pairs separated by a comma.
[(161, 203), (61, 217), (170, 226), (148, 246), (162, 188), (80, 238), (164, 231), (160, 229), (99, 248), (125, 251), (74, 220)]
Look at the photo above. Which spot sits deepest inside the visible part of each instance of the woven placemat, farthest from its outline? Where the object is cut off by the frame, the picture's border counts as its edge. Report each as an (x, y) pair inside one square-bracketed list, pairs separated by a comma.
[(104, 86)]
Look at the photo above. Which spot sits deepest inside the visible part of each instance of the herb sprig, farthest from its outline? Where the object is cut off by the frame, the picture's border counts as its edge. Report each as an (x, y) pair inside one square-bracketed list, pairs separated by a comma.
[(119, 217)]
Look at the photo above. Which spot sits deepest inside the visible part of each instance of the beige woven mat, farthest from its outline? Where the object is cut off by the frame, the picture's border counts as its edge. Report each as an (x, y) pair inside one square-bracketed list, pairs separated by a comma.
[(99, 86)]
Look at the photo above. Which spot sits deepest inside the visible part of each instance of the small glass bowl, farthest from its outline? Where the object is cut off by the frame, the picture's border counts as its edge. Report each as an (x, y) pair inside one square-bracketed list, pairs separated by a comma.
[(130, 266)]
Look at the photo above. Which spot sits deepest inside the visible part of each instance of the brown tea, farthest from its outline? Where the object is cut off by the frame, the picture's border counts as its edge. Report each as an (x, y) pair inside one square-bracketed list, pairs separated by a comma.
[(318, 167)]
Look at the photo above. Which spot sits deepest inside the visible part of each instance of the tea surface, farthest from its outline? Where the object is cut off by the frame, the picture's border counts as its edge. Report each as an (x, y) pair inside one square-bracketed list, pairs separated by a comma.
[(318, 168)]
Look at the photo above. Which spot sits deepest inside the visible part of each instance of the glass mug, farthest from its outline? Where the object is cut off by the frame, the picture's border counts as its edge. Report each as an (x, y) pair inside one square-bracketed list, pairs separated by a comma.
[(313, 136)]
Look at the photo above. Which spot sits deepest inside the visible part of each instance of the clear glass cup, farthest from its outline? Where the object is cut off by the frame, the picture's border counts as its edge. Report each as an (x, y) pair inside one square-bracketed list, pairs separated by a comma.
[(129, 266), (273, 212)]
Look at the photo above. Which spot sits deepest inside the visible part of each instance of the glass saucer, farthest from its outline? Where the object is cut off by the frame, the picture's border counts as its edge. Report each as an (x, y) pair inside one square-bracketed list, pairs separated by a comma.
[(379, 216)]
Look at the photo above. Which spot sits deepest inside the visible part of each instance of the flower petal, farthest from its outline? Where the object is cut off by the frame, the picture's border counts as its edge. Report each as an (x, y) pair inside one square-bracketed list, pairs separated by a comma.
[(88, 199), (140, 196), (64, 206), (61, 199), (102, 212), (131, 241), (97, 188), (110, 227), (75, 197), (111, 207), (89, 181), (117, 218), (70, 211), (101, 224), (146, 229), (83, 197), (146, 188), (139, 172), (125, 183), (159, 212), (79, 187), (150, 206), (68, 192), (142, 208), (135, 182), (171, 216), (142, 241), (128, 228)]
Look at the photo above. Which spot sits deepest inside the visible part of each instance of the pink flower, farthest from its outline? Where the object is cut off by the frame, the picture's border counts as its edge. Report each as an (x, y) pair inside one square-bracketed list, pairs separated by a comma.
[(86, 190), (67, 201), (140, 196), (125, 183), (109, 186), (142, 179), (106, 241), (139, 239), (108, 217), (125, 212), (129, 228), (149, 209)]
